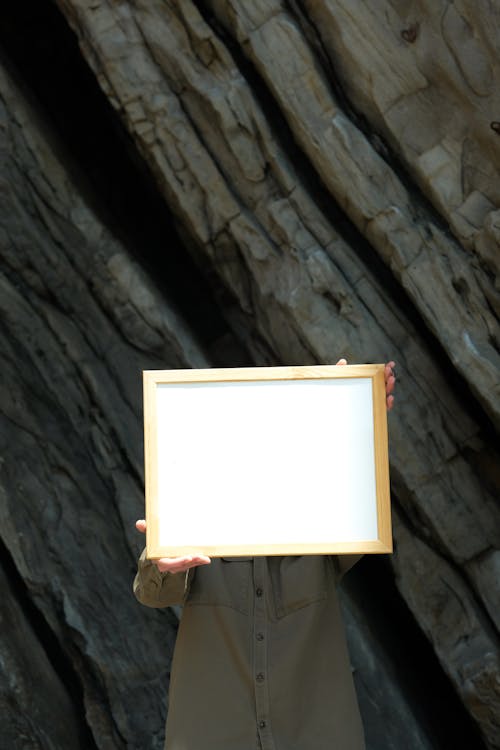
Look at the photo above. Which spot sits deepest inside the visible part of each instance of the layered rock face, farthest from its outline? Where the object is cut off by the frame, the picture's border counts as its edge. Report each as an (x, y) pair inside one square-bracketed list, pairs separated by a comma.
[(329, 172)]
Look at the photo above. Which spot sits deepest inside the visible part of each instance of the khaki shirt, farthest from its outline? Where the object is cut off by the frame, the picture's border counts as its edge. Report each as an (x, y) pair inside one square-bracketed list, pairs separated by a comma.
[(260, 660)]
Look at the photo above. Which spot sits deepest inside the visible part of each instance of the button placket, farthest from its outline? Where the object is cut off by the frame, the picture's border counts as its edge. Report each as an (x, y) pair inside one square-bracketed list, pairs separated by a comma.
[(260, 631)]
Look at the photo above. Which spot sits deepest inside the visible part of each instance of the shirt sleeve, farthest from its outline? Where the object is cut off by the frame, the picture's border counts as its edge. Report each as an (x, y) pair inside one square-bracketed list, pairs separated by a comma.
[(155, 589)]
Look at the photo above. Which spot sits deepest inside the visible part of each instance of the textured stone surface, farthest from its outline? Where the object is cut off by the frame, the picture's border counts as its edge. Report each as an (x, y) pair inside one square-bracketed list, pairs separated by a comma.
[(79, 322), (263, 126), (35, 708), (443, 87), (426, 75), (388, 716), (224, 172), (466, 644)]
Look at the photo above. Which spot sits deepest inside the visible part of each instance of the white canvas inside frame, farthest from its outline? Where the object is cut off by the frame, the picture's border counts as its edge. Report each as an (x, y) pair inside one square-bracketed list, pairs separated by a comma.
[(267, 462)]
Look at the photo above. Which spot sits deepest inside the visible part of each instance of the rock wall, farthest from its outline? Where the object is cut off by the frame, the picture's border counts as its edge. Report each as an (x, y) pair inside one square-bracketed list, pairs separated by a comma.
[(79, 323), (330, 170)]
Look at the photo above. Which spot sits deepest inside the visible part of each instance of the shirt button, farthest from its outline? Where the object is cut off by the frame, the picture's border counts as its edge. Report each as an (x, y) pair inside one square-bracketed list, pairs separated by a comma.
[(259, 591), (260, 636), (260, 677), (262, 724)]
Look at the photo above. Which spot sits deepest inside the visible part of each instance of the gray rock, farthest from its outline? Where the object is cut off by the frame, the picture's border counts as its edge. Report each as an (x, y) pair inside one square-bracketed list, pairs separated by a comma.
[(293, 205), (79, 322)]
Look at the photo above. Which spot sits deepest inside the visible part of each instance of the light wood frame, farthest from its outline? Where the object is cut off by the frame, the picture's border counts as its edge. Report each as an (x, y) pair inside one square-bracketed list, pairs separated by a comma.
[(180, 510)]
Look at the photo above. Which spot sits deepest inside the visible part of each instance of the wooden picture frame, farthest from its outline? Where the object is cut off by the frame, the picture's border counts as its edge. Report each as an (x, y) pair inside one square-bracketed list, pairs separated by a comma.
[(266, 461)]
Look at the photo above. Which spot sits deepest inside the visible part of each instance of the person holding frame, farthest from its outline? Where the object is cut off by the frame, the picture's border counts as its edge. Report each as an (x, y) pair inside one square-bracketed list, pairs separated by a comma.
[(260, 661)]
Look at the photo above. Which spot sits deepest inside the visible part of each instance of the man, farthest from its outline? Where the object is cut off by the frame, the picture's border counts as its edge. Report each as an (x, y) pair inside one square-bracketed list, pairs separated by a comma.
[(260, 661)]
